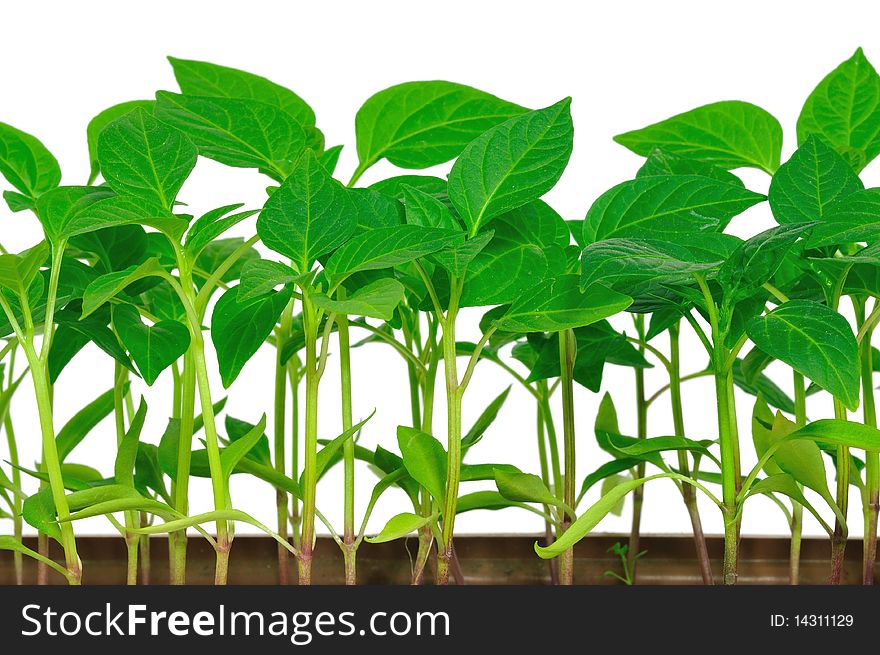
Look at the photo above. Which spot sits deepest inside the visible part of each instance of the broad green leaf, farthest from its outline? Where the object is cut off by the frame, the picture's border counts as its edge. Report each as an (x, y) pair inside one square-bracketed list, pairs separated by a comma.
[(73, 334), (120, 210), (427, 210), (761, 384), (330, 158), (99, 122), (395, 186), (235, 132), (855, 217), (145, 159), (26, 163), (126, 455), (478, 429), (17, 202), (511, 164), (375, 209), (153, 347), (310, 214), (239, 328), (400, 526), (729, 134), (38, 511), (79, 426), (844, 109), (557, 304), (489, 500), (785, 484), (456, 259), (425, 459), (840, 433), (801, 458), (212, 225), (261, 276), (377, 299), (69, 210), (661, 162), (17, 272), (200, 78), (110, 285), (422, 124), (525, 488), (666, 206), (387, 247), (755, 261), (628, 265), (810, 182), (814, 340)]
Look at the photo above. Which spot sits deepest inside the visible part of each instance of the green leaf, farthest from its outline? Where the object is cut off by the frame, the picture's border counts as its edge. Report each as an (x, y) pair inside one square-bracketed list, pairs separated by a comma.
[(328, 454), (853, 218), (400, 526), (126, 455), (387, 247), (310, 214), (456, 259), (814, 340), (79, 426), (628, 265), (844, 109), (425, 459), (38, 511), (525, 488), (17, 272), (235, 132), (557, 304), (231, 455), (13, 544), (422, 124), (782, 483), (801, 458), (26, 163), (666, 206), (427, 210), (145, 159), (729, 134), (236, 429), (108, 286), (489, 500), (511, 164), (101, 121), (199, 78), (661, 162), (607, 470), (377, 299), (478, 429), (153, 347), (261, 276), (238, 329), (840, 433), (69, 210), (755, 261), (810, 182), (761, 384), (212, 225), (73, 334)]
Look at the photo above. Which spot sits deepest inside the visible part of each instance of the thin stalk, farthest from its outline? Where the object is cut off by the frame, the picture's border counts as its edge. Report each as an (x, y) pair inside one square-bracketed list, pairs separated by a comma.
[(541, 433), (17, 522), (145, 551), (687, 491), (279, 445), (797, 510), (349, 548), (132, 538), (642, 433), (453, 434), (567, 354), (293, 371), (552, 441), (180, 484), (838, 540), (872, 459), (426, 424)]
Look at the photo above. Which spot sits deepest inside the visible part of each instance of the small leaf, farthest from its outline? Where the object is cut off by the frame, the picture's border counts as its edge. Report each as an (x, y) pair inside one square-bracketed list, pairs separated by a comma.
[(377, 299), (661, 162), (261, 276), (153, 347), (108, 286), (729, 134), (844, 109), (511, 164), (524, 488), (26, 163), (422, 124), (810, 182), (145, 159), (557, 304), (666, 206), (126, 455), (238, 329), (478, 429), (101, 121), (425, 459), (427, 210), (814, 340), (212, 225), (232, 454), (853, 218), (79, 426), (400, 526), (310, 215)]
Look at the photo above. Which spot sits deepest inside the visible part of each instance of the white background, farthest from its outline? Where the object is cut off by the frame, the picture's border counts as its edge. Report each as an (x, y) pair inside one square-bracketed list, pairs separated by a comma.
[(625, 64)]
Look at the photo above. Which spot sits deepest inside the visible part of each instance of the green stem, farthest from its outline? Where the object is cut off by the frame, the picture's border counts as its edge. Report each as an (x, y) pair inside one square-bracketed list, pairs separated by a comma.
[(642, 433), (132, 538), (278, 427), (349, 548), (17, 522), (567, 354), (180, 484), (293, 370), (545, 478), (688, 493), (552, 441), (872, 459), (797, 510), (838, 540)]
